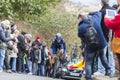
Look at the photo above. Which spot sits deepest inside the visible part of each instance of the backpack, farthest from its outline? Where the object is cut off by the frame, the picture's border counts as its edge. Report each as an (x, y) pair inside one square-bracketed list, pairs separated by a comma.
[(91, 36)]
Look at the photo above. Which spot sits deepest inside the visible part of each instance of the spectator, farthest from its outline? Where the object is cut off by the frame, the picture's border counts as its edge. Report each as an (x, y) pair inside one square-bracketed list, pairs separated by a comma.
[(106, 31), (114, 25), (84, 23), (26, 56), (3, 39), (13, 55), (35, 51), (13, 26), (42, 59), (37, 42), (9, 48), (21, 49)]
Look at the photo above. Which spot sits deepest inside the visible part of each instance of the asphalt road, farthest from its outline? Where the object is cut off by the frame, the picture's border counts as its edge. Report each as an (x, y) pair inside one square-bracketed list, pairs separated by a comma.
[(17, 76)]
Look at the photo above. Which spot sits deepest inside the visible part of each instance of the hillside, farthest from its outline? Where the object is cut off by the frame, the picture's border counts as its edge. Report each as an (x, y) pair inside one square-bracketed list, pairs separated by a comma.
[(62, 18)]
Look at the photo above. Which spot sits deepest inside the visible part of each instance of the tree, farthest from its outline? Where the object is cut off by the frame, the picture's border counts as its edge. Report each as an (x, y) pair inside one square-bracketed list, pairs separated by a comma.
[(25, 9)]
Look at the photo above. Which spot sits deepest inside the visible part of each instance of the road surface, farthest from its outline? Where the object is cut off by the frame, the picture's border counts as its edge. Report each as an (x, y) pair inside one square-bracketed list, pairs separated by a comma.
[(17, 76)]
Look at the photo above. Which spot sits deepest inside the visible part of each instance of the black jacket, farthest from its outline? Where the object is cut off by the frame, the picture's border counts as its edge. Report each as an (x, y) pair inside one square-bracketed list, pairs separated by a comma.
[(43, 56), (34, 56), (104, 28), (21, 46), (36, 43)]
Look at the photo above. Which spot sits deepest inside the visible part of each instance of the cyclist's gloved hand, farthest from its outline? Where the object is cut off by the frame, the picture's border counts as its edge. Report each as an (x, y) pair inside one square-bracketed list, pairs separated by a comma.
[(61, 51)]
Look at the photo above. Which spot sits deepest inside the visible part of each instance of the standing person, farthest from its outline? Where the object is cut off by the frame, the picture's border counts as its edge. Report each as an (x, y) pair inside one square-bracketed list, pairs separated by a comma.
[(114, 24), (42, 59), (38, 42), (21, 49), (12, 54), (106, 31), (3, 39), (10, 47), (26, 55), (84, 24), (13, 57), (34, 53)]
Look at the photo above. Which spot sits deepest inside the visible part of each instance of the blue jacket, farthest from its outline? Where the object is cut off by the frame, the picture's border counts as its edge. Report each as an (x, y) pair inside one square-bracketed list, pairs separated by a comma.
[(55, 46), (96, 17)]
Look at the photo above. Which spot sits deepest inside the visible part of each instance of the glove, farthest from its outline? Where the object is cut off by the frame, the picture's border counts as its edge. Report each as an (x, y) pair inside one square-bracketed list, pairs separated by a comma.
[(61, 51), (14, 40)]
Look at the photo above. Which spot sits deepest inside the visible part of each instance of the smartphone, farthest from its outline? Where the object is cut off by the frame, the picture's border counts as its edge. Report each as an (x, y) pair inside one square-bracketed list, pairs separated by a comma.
[(110, 13)]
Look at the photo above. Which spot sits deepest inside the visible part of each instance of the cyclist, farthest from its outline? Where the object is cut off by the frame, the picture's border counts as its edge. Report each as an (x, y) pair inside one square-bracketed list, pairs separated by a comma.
[(58, 43), (58, 50)]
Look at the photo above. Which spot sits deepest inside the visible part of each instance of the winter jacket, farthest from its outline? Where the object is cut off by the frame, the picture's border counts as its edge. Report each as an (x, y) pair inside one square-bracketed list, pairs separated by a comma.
[(3, 37), (34, 56), (114, 25), (104, 28), (21, 46), (96, 17), (42, 57), (14, 51), (36, 42)]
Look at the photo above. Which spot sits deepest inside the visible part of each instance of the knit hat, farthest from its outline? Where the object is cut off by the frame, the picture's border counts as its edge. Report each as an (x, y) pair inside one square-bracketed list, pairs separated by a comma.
[(105, 1), (38, 37), (6, 23), (29, 36)]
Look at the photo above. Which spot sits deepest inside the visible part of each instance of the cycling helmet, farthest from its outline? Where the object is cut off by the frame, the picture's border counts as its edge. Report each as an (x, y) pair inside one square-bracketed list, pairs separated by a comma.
[(58, 36)]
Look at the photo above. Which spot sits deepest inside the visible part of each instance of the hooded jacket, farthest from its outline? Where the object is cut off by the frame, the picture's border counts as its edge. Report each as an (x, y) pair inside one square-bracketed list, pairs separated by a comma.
[(3, 37), (82, 27)]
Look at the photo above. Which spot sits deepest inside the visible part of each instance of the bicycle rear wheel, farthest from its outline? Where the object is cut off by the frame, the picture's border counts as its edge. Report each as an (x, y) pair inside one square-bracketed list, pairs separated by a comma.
[(56, 65)]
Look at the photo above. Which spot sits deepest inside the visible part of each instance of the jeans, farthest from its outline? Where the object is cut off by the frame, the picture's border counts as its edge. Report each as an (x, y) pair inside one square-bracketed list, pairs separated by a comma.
[(26, 66), (29, 65), (13, 64), (110, 59), (117, 63), (2, 57), (89, 58), (7, 61), (20, 64), (35, 68), (42, 70)]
